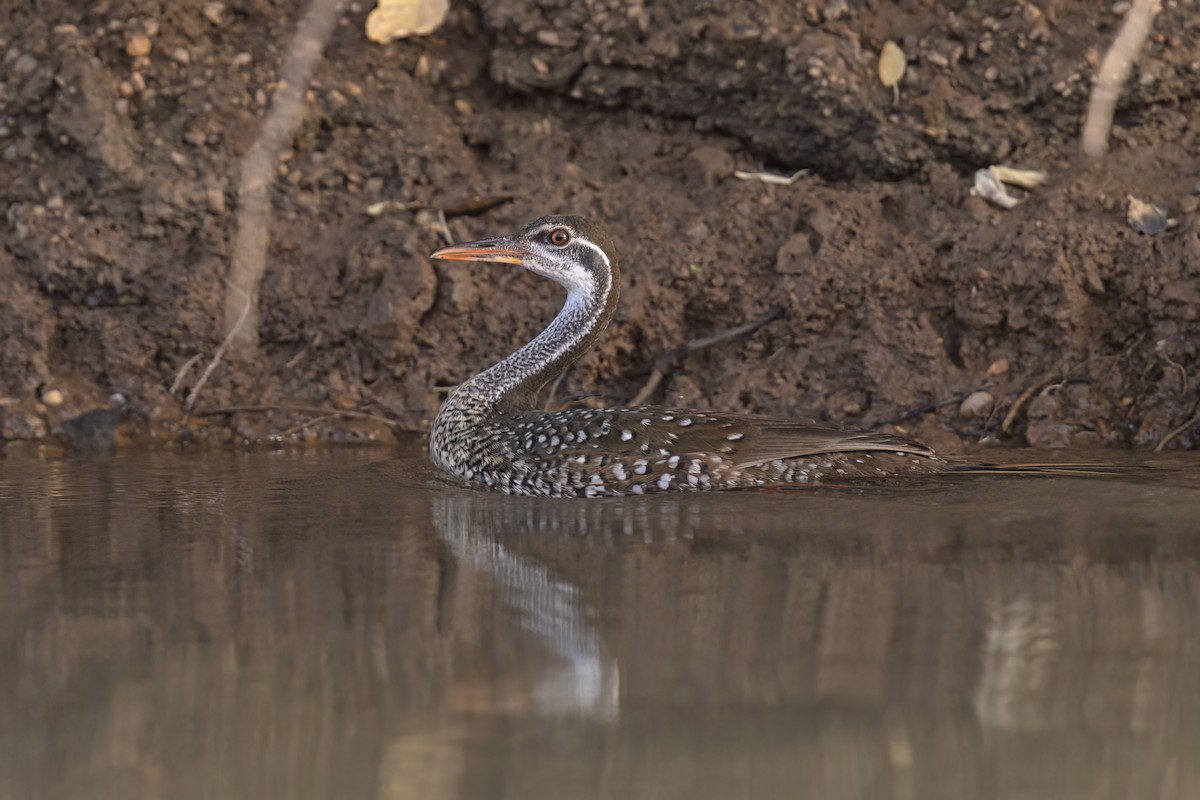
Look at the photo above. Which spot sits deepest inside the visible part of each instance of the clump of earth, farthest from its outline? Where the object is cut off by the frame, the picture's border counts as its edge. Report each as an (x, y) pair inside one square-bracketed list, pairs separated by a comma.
[(890, 295)]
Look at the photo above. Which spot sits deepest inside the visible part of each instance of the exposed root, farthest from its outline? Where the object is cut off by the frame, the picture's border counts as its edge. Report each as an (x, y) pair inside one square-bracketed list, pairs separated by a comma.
[(1175, 433), (182, 372), (1114, 70), (258, 174)]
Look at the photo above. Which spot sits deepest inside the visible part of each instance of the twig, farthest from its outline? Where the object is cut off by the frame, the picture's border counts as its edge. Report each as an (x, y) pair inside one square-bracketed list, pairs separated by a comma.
[(216, 359), (1023, 398), (767, 177), (182, 373), (307, 423), (1176, 432), (1161, 350), (1114, 70), (259, 170), (921, 411), (554, 388), (264, 409), (1037, 390), (668, 360), (444, 227)]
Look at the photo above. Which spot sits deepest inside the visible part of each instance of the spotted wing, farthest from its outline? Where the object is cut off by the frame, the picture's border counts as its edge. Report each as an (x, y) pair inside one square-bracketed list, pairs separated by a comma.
[(739, 440)]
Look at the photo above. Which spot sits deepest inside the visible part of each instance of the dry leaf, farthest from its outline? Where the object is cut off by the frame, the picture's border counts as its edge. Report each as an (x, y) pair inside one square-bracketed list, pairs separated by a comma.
[(988, 186), (892, 63), (1146, 217), (397, 19)]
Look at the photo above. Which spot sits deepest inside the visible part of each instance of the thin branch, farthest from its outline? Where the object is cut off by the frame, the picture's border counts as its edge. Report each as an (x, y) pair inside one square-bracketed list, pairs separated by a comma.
[(216, 359), (266, 409), (1114, 71), (667, 362)]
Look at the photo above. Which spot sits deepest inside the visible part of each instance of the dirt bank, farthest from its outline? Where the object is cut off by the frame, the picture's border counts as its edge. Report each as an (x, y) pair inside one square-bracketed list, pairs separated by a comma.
[(898, 293)]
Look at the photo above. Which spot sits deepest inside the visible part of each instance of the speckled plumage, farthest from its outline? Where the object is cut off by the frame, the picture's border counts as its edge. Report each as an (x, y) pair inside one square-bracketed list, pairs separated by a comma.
[(487, 432)]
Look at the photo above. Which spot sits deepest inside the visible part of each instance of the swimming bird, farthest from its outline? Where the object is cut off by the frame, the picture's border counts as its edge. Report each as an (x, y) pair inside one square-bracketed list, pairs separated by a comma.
[(489, 431)]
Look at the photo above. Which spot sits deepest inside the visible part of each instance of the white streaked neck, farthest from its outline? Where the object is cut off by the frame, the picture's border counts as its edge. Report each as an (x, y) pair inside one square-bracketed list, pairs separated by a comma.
[(517, 378)]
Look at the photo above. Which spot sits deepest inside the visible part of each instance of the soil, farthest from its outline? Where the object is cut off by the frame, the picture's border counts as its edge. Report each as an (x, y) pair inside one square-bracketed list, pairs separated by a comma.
[(898, 294)]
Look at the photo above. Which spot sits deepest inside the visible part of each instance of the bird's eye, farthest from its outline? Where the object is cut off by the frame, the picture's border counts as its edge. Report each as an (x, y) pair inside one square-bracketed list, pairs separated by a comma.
[(560, 237)]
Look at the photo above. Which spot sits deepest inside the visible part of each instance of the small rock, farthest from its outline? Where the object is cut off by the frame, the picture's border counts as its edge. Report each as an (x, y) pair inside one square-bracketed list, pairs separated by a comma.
[(181, 55), (999, 367), (215, 13), (794, 255), (423, 67), (52, 398), (55, 203), (242, 60), (977, 405), (463, 108), (179, 159), (138, 46), (24, 64), (216, 201), (835, 9)]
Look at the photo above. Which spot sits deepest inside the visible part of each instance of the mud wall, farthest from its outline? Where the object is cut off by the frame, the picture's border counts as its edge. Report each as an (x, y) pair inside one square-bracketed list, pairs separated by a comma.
[(897, 292)]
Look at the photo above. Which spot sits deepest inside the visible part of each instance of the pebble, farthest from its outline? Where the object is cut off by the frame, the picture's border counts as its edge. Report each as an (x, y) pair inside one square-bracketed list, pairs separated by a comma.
[(52, 398), (215, 13), (216, 201), (138, 46), (181, 55), (999, 367), (24, 64), (976, 405)]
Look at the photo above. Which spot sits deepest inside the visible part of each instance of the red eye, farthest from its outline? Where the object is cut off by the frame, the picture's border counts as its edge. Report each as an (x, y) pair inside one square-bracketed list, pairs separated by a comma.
[(560, 237)]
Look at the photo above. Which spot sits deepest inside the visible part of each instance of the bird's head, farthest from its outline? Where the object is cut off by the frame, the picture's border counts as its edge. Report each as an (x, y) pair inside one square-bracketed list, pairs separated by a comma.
[(574, 251)]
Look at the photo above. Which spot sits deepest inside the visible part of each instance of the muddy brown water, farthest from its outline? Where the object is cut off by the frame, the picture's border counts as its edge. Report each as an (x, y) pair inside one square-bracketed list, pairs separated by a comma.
[(339, 623)]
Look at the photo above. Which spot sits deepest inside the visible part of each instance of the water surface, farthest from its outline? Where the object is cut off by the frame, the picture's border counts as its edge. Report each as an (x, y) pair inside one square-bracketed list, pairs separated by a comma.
[(340, 624)]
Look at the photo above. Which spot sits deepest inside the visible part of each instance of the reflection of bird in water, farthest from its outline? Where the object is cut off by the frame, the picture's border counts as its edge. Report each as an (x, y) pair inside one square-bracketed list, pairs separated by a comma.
[(488, 432), (586, 678)]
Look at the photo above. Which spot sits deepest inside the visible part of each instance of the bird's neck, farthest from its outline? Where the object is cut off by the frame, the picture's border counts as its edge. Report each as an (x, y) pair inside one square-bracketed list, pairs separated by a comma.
[(513, 383)]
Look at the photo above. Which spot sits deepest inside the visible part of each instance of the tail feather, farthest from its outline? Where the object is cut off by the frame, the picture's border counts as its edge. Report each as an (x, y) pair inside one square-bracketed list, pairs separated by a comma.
[(1060, 470)]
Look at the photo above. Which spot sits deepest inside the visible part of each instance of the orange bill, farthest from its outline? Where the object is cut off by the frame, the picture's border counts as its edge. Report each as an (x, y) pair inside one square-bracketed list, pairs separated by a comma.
[(484, 250)]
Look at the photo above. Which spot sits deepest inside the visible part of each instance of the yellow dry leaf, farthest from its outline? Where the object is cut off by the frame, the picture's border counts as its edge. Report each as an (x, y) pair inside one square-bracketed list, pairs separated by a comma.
[(892, 63), (396, 19)]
